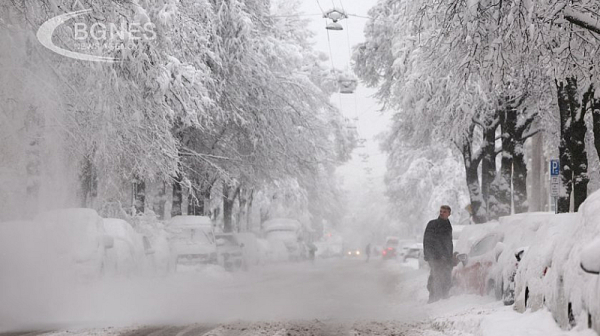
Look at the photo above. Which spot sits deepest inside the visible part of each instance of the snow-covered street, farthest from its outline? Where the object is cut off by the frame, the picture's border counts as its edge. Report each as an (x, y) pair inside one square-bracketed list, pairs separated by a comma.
[(299, 167), (331, 297)]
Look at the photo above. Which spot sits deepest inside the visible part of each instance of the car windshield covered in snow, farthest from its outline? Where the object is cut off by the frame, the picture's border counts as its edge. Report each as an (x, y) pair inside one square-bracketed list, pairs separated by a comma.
[(191, 235), (282, 234), (484, 245), (226, 240)]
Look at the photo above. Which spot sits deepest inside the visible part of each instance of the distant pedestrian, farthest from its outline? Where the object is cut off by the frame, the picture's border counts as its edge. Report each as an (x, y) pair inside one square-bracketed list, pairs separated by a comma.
[(312, 249), (438, 251), (368, 251)]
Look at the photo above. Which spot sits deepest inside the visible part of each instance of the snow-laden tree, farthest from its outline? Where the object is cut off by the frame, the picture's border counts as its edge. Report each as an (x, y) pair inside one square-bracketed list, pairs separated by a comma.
[(420, 180), (279, 123), (223, 93), (571, 50), (469, 72), (114, 112)]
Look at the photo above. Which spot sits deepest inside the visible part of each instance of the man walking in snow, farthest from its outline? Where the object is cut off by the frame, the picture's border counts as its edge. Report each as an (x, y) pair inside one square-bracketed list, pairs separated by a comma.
[(437, 250)]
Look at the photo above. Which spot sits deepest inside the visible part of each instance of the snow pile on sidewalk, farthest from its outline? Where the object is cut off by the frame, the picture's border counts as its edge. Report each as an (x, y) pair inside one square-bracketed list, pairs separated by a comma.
[(458, 315)]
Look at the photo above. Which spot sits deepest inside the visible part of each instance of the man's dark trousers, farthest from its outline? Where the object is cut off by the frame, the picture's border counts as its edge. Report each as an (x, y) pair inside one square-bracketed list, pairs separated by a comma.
[(440, 279)]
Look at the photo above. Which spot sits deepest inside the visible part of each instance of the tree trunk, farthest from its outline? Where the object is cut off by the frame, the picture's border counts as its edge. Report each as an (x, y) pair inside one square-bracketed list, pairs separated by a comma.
[(519, 181), (167, 200), (185, 194), (475, 195), (229, 197), (89, 182), (199, 199), (195, 202), (564, 200), (177, 196), (471, 166), (241, 217), (578, 152), (596, 124), (249, 211), (520, 177), (503, 185), (537, 174), (139, 195), (488, 167)]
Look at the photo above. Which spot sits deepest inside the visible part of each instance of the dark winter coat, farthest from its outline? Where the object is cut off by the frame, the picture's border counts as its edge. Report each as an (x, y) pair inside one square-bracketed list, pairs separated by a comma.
[(437, 240)]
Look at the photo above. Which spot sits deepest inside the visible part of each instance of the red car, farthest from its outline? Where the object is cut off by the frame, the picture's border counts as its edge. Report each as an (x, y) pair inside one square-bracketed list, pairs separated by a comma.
[(390, 250), (472, 274)]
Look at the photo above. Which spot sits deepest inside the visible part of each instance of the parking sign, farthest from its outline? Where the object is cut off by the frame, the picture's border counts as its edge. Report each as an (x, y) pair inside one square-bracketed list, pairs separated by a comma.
[(554, 167), (555, 190)]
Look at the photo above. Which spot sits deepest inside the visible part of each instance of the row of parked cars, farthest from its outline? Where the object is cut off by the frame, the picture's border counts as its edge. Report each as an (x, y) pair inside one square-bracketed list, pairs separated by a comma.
[(194, 242), (78, 243), (537, 260)]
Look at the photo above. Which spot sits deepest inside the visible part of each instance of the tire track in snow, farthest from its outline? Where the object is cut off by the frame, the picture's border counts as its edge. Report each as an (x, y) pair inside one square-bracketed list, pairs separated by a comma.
[(25, 333)]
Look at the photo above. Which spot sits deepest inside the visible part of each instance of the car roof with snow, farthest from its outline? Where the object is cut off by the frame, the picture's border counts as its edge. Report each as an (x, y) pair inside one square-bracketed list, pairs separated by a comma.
[(117, 227), (277, 224), (190, 221), (473, 233)]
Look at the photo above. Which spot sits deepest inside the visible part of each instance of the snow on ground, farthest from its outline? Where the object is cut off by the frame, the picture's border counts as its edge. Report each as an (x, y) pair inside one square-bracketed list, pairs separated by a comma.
[(333, 297), (459, 315)]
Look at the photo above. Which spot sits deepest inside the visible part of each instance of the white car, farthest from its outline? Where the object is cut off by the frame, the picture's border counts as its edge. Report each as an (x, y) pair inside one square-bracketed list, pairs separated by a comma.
[(132, 252), (414, 252), (192, 241), (520, 231), (156, 242), (569, 289), (590, 263), (282, 234), (536, 262), (77, 242), (475, 245), (330, 247)]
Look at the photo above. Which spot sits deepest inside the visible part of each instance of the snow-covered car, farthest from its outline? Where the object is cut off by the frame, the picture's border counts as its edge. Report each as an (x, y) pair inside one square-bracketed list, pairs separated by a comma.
[(77, 242), (590, 263), (330, 247), (229, 251), (509, 274), (132, 252), (536, 261), (569, 289), (156, 242), (414, 251), (283, 237), (478, 249), (192, 241), (494, 267), (520, 231), (473, 273)]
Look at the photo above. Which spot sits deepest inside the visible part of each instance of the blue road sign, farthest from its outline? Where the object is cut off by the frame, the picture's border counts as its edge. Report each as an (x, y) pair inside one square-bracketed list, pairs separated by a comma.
[(554, 167)]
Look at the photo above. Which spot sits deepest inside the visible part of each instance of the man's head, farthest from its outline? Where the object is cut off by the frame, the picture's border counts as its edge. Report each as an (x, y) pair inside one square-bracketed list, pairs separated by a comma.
[(445, 211)]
